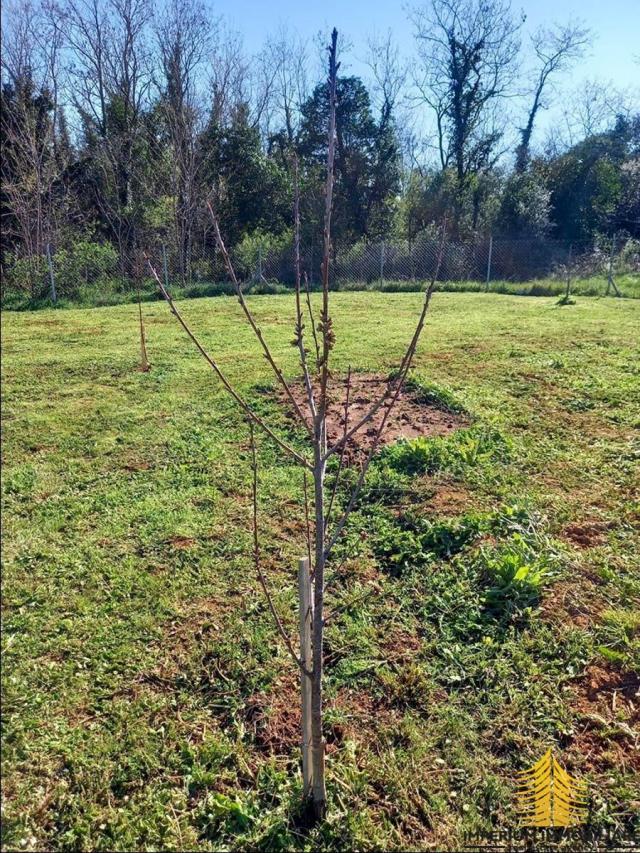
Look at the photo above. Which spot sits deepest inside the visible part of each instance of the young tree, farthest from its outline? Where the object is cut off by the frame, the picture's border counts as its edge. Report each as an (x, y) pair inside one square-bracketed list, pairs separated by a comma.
[(326, 531)]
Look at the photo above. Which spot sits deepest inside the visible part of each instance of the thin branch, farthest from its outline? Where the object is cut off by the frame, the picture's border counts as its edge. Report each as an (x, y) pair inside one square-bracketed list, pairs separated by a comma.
[(214, 365), (299, 334), (342, 451), (252, 322), (328, 337), (256, 557), (401, 378), (394, 378), (312, 320)]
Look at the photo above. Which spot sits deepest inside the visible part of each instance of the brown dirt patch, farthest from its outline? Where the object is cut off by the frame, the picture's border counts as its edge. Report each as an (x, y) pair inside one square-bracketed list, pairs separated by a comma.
[(136, 465), (361, 714), (449, 499), (607, 705), (410, 418), (182, 543), (575, 603), (587, 534), (274, 717), (606, 691)]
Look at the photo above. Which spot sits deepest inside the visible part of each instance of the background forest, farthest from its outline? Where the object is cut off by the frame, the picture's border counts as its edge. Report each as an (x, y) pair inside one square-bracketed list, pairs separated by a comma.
[(121, 119)]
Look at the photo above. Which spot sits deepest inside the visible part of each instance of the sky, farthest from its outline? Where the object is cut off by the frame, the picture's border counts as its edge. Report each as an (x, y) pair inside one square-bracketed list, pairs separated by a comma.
[(614, 55)]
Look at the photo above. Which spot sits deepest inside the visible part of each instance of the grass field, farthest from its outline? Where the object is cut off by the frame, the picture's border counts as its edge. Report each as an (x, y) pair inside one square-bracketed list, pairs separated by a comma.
[(487, 607)]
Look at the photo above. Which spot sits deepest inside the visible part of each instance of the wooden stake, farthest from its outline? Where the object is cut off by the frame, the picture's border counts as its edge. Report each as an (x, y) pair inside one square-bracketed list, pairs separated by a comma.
[(306, 618)]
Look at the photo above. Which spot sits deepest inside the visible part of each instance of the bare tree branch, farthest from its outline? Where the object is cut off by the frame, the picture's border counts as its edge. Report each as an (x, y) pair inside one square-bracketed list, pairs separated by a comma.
[(406, 364), (312, 321), (215, 367), (555, 49), (299, 332), (256, 558), (256, 329), (342, 449)]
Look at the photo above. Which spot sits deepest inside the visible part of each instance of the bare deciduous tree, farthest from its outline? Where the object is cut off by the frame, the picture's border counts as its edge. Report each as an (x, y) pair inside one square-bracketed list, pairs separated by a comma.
[(468, 51), (184, 40), (556, 49), (112, 76), (31, 118), (389, 73), (593, 108), (284, 63)]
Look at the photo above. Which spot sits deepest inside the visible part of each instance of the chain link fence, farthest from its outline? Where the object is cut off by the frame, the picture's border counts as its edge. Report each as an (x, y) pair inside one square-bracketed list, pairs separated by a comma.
[(93, 273), (533, 266)]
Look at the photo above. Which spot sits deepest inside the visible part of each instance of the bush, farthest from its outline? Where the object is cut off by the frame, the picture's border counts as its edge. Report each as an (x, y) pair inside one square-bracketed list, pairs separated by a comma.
[(258, 245), (25, 277), (86, 268)]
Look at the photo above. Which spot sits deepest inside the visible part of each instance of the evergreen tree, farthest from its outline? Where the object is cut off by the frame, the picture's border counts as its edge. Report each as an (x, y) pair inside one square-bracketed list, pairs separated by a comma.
[(250, 189), (367, 160)]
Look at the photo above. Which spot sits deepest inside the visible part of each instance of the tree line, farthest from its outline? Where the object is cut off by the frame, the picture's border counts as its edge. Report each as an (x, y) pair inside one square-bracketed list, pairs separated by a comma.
[(123, 119)]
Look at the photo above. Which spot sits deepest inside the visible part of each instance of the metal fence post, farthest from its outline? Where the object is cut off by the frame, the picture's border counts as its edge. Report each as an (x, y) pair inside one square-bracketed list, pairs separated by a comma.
[(486, 287), (52, 280), (164, 267), (610, 280), (381, 262)]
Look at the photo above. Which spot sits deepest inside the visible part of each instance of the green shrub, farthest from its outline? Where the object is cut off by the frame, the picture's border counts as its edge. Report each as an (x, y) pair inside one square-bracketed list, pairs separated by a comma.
[(256, 245), (24, 277), (86, 269)]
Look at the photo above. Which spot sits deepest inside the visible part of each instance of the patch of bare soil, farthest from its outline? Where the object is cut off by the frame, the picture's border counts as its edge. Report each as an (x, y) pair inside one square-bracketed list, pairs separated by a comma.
[(587, 534), (574, 603), (182, 543), (410, 417), (274, 717), (136, 465), (449, 499), (607, 704)]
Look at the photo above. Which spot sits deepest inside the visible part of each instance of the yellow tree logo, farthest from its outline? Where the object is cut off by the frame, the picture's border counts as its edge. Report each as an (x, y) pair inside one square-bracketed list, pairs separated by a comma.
[(549, 796)]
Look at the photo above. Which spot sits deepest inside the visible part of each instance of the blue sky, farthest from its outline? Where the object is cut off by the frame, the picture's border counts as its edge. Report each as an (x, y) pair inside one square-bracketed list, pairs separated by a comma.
[(616, 24)]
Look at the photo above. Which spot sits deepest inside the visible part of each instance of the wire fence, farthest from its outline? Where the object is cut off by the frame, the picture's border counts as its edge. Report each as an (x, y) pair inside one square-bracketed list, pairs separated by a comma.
[(99, 274)]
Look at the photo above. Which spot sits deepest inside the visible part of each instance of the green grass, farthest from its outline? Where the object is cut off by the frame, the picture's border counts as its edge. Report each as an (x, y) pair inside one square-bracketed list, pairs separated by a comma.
[(90, 297), (489, 580)]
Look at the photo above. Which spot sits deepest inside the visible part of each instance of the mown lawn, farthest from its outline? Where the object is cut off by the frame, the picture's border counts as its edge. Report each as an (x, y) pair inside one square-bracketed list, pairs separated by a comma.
[(148, 700)]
